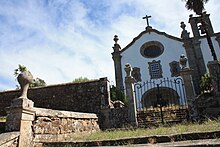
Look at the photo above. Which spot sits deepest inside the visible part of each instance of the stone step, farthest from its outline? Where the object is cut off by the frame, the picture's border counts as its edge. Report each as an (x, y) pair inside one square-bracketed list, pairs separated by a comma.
[(150, 140)]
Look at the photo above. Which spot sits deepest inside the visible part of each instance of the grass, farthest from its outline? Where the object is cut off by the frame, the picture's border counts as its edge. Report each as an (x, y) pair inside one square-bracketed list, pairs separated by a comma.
[(209, 125), (2, 118)]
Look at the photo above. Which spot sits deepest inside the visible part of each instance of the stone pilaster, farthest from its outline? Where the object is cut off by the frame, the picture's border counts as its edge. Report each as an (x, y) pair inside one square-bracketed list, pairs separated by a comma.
[(214, 71), (190, 94), (129, 84), (19, 118), (208, 22), (193, 22), (195, 61)]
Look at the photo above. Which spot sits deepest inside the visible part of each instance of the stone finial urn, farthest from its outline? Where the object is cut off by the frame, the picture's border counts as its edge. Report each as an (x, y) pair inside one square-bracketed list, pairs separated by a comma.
[(183, 60), (128, 70), (25, 78)]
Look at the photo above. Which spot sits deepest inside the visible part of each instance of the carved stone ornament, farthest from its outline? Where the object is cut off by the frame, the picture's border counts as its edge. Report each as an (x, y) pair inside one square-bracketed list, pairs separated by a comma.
[(136, 74), (174, 68), (24, 79)]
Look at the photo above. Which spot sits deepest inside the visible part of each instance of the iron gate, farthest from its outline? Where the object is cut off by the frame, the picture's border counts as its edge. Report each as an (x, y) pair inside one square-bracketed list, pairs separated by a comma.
[(162, 101)]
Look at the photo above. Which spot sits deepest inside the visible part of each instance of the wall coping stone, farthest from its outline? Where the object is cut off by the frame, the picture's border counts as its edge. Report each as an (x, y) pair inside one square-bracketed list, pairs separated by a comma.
[(6, 137), (64, 114), (56, 85)]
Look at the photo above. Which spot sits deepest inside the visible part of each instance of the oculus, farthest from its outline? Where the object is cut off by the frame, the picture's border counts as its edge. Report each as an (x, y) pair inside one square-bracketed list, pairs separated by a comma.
[(151, 49)]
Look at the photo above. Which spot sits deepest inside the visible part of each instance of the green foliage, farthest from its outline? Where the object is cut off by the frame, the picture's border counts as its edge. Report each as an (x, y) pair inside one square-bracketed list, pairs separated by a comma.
[(38, 83), (196, 5), (117, 94), (205, 83), (20, 69), (81, 79)]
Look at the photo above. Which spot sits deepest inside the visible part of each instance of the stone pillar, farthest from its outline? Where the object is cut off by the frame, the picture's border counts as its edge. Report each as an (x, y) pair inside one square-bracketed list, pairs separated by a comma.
[(19, 118), (185, 73), (117, 64), (214, 71), (105, 104), (190, 94), (21, 114), (129, 84)]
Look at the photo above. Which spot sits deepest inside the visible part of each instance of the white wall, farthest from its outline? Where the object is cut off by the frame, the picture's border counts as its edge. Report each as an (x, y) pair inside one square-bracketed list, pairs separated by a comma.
[(172, 51)]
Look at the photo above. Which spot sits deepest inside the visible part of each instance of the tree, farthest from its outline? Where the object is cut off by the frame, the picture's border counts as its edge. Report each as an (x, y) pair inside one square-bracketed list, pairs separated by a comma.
[(196, 5), (81, 79), (117, 94), (36, 82)]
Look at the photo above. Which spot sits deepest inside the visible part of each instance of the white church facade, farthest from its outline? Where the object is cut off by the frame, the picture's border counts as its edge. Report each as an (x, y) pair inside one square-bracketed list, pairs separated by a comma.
[(154, 55)]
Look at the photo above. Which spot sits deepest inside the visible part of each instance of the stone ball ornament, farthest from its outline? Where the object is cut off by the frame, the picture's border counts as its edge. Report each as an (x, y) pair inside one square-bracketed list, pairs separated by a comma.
[(25, 78)]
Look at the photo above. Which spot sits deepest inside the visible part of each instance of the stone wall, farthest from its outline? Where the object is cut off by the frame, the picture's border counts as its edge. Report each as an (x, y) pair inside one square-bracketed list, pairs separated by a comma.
[(54, 126), (115, 117), (9, 139), (87, 97), (208, 105), (118, 117)]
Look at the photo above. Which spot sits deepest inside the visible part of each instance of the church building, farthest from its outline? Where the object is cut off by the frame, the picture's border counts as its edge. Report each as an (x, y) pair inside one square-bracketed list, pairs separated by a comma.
[(154, 55)]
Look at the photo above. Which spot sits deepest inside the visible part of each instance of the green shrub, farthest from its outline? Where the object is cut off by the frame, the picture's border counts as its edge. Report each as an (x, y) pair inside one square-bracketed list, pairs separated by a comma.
[(117, 94), (205, 83)]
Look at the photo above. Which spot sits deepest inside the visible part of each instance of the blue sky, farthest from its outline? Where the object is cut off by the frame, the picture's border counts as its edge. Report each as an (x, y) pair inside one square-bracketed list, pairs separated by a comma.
[(60, 40)]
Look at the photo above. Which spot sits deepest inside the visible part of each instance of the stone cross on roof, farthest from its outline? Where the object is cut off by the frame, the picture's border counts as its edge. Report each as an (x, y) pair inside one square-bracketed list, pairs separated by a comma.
[(147, 17)]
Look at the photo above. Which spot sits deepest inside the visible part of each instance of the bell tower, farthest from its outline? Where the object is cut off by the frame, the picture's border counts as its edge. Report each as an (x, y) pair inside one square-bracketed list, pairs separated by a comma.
[(196, 24)]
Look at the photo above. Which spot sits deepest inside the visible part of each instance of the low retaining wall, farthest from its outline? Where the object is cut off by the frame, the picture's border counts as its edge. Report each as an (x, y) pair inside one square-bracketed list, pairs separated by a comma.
[(53, 125), (9, 139)]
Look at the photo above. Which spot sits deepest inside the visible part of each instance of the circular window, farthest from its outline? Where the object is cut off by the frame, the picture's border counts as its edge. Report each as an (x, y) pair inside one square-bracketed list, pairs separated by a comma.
[(151, 49)]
